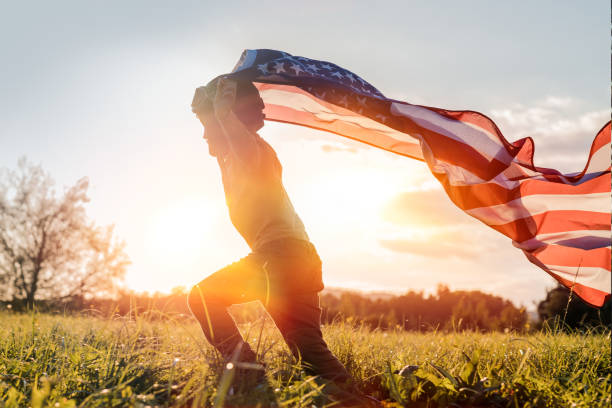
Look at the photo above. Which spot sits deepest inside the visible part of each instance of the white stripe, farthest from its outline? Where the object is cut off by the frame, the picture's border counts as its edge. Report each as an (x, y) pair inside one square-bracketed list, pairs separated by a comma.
[(469, 134), (459, 176), (463, 177), (593, 277), (554, 237), (540, 203), (489, 146), (304, 103), (519, 171), (600, 161)]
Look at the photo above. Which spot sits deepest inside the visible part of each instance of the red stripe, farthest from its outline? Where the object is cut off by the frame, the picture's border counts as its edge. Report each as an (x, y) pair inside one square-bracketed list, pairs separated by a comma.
[(590, 295), (554, 221), (285, 114), (443, 147), (602, 139), (489, 194), (459, 154), (567, 256), (477, 119), (593, 296), (522, 149)]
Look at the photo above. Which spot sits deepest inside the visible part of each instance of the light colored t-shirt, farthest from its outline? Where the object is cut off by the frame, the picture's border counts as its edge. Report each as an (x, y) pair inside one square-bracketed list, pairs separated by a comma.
[(259, 206)]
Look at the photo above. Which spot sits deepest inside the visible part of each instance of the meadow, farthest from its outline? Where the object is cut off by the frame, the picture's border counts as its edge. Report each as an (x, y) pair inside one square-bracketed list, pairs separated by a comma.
[(152, 360)]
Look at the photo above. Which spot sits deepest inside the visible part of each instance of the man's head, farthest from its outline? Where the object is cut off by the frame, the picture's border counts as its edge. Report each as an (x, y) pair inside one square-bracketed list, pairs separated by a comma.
[(248, 107)]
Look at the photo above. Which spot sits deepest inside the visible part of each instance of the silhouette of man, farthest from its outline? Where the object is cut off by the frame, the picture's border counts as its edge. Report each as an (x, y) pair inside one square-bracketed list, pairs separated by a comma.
[(283, 270)]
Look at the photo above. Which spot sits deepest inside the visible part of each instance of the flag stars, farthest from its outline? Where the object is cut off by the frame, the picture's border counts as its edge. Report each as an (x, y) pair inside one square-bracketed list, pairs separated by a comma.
[(297, 69), (263, 68), (367, 91), (361, 90), (313, 67), (279, 67)]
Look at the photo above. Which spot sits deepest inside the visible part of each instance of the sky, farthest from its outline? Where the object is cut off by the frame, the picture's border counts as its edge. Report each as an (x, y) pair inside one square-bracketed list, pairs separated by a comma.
[(102, 89)]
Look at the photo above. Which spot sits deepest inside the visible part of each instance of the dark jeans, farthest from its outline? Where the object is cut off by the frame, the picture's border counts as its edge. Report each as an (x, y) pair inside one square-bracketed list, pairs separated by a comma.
[(286, 277)]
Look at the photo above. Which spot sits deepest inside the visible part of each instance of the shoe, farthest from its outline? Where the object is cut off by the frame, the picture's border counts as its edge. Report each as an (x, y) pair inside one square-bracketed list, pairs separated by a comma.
[(406, 370), (246, 375)]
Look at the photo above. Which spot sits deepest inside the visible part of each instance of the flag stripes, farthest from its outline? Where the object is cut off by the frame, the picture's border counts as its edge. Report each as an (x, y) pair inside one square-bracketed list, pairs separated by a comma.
[(284, 102), (487, 194), (563, 256), (561, 222)]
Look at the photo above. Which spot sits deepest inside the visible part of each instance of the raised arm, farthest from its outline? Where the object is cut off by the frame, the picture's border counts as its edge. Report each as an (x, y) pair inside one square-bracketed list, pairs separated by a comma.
[(241, 140)]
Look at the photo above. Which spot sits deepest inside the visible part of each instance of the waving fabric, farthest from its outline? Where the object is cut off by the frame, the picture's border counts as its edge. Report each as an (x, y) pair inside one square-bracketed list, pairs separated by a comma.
[(561, 222)]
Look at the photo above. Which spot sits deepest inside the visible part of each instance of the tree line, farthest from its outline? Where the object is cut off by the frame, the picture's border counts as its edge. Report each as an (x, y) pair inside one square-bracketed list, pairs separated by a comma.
[(54, 257), (443, 310)]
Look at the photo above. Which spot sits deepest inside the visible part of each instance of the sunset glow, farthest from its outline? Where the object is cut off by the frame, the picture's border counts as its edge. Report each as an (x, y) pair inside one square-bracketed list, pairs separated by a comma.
[(182, 228), (117, 103)]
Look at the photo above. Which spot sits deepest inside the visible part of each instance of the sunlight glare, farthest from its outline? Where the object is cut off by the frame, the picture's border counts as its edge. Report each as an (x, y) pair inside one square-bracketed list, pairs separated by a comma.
[(349, 196), (182, 228)]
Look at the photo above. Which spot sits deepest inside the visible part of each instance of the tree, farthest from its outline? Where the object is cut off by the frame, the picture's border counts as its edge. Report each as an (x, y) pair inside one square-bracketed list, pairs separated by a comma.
[(572, 312), (49, 249)]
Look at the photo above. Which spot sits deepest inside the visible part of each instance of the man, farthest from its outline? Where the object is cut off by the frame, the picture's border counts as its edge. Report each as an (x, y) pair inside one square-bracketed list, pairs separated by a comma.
[(283, 270)]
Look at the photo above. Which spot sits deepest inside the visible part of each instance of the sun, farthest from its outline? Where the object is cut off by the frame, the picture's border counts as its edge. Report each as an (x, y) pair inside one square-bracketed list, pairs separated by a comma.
[(176, 243), (182, 227), (346, 197)]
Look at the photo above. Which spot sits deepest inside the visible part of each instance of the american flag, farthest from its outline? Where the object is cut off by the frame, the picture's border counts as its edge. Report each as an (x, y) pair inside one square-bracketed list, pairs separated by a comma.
[(561, 222)]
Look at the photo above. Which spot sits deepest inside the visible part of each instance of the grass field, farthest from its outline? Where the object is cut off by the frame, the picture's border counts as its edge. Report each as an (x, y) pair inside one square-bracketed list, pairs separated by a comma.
[(64, 361)]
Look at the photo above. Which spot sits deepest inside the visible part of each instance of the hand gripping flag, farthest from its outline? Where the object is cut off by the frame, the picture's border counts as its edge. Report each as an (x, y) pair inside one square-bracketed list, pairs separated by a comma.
[(561, 222)]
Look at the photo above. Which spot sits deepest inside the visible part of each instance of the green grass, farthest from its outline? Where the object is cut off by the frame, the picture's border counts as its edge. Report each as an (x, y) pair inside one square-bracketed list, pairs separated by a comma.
[(64, 361)]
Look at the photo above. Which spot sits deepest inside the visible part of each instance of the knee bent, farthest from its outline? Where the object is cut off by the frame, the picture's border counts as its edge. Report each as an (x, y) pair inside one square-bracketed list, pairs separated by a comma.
[(199, 295), (195, 299)]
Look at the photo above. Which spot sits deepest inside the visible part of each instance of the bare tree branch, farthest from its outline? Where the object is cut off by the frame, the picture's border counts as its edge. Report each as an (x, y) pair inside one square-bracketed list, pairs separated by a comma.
[(49, 249)]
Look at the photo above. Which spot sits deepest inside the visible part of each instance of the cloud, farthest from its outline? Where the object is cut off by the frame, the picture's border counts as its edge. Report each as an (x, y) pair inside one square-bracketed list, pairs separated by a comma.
[(427, 223), (561, 132), (453, 241), (559, 101), (432, 248)]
